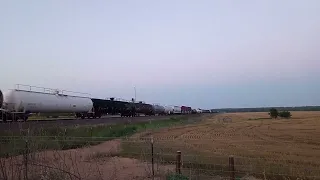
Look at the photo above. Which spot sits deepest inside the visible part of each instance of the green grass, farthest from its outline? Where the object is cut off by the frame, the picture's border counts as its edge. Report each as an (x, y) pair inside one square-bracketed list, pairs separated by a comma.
[(48, 116), (14, 143)]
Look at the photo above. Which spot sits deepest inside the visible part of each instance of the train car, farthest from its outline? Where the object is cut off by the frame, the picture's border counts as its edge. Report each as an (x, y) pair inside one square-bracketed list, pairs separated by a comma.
[(144, 108), (198, 110), (186, 110), (109, 106), (102, 106), (19, 104), (129, 111), (213, 111), (168, 110), (158, 109), (176, 110), (189, 110), (1, 99), (206, 111)]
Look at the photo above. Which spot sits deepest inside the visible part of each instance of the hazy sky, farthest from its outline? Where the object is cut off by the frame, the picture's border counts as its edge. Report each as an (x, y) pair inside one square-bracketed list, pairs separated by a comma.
[(204, 53)]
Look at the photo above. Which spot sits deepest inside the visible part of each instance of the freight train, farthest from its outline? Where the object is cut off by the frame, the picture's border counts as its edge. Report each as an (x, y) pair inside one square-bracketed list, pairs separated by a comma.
[(18, 104)]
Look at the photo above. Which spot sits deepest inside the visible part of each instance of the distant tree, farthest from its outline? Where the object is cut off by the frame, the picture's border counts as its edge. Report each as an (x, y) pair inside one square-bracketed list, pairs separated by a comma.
[(285, 114), (273, 113)]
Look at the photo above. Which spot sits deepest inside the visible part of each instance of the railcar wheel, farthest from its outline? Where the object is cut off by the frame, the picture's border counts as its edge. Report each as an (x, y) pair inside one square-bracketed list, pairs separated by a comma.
[(4, 117), (15, 118)]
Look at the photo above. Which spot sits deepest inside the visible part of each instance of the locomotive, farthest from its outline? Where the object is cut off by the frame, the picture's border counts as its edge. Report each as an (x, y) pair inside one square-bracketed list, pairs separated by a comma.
[(18, 104)]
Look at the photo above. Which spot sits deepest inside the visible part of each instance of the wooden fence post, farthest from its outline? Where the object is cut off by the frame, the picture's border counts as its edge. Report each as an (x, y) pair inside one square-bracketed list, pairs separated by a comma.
[(231, 168), (178, 162), (152, 157), (26, 151)]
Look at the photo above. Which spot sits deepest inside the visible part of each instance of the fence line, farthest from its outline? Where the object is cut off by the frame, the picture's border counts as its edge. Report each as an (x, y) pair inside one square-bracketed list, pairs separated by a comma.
[(30, 157), (147, 139)]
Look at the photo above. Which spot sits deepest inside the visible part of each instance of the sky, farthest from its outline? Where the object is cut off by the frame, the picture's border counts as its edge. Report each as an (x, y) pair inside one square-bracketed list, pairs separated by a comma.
[(204, 54)]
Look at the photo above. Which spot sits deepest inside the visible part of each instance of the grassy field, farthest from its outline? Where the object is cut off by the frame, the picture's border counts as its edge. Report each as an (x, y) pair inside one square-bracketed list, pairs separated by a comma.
[(78, 152), (264, 147), (14, 142)]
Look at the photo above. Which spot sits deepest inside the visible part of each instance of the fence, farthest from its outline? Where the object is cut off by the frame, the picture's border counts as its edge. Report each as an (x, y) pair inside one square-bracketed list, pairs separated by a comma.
[(60, 157)]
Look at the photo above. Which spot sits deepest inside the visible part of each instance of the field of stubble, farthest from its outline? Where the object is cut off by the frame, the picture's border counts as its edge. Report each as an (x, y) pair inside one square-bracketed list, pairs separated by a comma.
[(263, 146)]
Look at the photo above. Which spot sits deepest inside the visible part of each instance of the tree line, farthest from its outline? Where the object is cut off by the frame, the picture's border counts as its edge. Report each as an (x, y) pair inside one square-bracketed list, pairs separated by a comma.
[(267, 109)]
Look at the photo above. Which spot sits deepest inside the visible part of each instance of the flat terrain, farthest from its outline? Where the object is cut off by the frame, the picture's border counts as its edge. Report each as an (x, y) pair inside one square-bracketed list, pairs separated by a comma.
[(72, 122), (90, 163), (263, 146)]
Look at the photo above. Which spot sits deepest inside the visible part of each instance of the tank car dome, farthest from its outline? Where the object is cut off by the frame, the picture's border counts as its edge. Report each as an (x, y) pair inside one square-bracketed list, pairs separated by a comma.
[(1, 98)]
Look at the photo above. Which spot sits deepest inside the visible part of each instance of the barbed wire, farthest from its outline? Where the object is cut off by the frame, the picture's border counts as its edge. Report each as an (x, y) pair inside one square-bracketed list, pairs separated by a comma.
[(200, 160)]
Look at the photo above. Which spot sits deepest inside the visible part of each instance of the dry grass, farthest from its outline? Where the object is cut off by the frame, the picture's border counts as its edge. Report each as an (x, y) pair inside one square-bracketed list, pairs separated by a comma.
[(100, 162), (261, 146)]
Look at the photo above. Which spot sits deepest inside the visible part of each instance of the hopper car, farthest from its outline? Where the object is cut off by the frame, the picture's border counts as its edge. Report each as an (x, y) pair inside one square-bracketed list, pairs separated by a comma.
[(18, 104)]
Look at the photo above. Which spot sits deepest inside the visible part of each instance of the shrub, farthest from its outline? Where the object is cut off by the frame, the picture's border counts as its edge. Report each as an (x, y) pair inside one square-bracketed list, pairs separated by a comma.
[(285, 114), (273, 113)]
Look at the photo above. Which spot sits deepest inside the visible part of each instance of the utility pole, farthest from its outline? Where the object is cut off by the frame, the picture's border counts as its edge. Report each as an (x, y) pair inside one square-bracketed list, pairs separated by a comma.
[(135, 94)]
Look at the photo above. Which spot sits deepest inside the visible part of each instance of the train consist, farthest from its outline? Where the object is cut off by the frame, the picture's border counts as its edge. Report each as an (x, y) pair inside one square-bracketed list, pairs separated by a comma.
[(20, 104)]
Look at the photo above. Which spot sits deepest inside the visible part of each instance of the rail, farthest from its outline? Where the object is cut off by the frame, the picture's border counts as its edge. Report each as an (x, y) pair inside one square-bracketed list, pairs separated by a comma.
[(47, 90)]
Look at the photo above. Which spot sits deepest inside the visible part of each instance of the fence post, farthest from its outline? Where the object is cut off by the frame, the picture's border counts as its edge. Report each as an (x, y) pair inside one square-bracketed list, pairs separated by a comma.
[(231, 168), (152, 157), (178, 162), (26, 160)]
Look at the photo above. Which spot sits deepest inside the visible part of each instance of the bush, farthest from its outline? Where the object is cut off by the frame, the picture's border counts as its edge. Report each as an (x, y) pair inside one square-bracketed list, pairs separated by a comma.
[(273, 113), (285, 114)]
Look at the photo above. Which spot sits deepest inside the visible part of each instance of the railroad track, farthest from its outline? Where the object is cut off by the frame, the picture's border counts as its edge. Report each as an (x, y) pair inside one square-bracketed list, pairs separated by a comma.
[(72, 122)]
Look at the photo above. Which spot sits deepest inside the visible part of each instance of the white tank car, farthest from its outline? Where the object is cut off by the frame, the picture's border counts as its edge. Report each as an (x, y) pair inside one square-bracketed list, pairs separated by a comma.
[(168, 109), (176, 109), (40, 102), (199, 110), (158, 109)]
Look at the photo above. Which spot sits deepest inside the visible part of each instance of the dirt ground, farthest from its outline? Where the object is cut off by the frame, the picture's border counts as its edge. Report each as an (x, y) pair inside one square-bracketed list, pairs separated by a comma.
[(260, 145), (92, 163)]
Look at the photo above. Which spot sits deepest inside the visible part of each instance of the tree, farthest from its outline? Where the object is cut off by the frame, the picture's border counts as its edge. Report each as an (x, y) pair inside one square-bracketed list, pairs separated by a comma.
[(285, 114), (273, 113)]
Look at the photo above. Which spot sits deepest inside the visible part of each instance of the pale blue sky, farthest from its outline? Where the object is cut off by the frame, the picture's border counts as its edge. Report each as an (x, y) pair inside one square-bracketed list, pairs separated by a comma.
[(205, 53)]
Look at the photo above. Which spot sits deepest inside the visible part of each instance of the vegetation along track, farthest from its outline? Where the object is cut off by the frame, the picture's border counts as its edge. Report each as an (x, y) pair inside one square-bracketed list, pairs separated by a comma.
[(108, 120)]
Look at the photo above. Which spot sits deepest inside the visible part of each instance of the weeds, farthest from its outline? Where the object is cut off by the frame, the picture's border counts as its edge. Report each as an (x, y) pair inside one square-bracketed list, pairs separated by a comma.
[(59, 138), (36, 153)]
